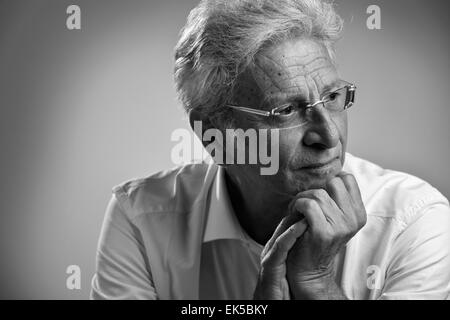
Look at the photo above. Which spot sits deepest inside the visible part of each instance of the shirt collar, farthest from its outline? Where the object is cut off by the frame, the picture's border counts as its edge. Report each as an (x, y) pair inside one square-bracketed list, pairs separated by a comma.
[(221, 220)]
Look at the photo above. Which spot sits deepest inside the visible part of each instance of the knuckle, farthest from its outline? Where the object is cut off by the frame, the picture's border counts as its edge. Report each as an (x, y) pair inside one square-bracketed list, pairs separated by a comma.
[(292, 228), (320, 194), (332, 183), (349, 178), (292, 206), (309, 204)]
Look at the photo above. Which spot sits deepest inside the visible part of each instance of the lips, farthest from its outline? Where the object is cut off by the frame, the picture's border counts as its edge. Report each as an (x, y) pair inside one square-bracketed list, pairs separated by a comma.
[(319, 164)]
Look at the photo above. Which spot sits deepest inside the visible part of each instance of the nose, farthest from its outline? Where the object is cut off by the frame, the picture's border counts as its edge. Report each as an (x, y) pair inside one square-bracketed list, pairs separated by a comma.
[(322, 131)]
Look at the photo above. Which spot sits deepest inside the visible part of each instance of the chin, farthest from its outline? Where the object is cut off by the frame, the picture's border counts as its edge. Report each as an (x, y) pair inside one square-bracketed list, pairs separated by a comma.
[(302, 180)]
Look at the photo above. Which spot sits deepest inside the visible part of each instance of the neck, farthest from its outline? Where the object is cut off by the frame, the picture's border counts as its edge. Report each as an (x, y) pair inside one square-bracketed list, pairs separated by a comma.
[(258, 209)]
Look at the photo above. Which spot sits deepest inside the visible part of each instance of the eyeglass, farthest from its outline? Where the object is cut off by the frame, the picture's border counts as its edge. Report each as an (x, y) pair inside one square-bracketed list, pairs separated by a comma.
[(296, 113)]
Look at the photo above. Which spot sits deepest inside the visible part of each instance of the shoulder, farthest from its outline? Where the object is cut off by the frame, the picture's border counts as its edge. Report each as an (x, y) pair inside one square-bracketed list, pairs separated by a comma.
[(172, 190), (392, 194)]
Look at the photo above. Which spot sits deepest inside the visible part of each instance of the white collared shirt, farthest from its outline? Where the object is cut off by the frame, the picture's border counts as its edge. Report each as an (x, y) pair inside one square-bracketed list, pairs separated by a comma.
[(174, 235)]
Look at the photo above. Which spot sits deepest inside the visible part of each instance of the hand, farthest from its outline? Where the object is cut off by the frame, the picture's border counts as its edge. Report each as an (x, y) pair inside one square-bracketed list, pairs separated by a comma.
[(334, 215), (272, 283)]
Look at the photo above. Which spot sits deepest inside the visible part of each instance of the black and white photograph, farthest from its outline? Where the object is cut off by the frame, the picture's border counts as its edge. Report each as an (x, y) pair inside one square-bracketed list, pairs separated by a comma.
[(226, 150)]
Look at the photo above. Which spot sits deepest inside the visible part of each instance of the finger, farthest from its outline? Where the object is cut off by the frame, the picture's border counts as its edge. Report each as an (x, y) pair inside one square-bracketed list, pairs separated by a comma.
[(278, 253), (280, 229), (285, 223), (352, 187), (329, 208), (339, 193), (313, 214), (282, 226)]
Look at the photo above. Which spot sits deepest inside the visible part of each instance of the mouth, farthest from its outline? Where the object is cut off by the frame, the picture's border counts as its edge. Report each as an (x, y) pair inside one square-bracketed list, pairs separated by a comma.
[(320, 167)]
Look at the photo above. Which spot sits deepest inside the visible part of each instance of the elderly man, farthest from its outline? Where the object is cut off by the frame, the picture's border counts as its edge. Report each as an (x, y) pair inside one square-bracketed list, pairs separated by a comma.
[(326, 225)]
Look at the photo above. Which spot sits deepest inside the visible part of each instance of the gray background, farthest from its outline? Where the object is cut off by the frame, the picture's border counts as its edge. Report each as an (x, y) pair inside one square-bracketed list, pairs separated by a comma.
[(82, 111)]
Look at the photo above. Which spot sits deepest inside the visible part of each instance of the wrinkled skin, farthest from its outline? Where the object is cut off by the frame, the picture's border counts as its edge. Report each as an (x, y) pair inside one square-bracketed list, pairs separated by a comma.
[(298, 258), (304, 216), (296, 69)]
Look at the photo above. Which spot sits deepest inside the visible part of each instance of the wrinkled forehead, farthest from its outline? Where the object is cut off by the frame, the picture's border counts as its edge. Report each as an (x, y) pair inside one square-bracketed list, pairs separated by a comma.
[(295, 68)]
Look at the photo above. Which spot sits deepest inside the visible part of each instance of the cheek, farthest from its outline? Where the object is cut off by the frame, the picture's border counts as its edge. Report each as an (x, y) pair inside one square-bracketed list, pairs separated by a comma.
[(342, 126), (290, 143)]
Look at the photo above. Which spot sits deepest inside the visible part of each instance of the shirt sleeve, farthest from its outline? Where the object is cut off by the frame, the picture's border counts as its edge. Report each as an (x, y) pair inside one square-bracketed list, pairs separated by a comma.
[(420, 259), (122, 268)]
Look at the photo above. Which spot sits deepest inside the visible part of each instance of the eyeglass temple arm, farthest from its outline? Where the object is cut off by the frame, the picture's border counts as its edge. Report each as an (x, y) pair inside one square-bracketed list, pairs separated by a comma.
[(250, 110)]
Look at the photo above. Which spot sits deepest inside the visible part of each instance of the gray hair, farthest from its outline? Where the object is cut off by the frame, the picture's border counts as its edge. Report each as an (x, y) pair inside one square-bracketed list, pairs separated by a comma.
[(222, 38)]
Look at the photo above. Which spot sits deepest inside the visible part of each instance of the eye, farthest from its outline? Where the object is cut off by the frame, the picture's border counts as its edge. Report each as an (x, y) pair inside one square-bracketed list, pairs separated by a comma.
[(287, 110), (333, 96)]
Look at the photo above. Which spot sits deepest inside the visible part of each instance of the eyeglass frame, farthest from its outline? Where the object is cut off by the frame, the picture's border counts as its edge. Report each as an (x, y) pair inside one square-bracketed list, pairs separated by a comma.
[(351, 100)]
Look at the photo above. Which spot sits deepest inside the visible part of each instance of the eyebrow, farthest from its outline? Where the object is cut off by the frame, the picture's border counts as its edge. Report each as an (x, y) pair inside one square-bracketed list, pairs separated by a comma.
[(271, 99), (332, 86)]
